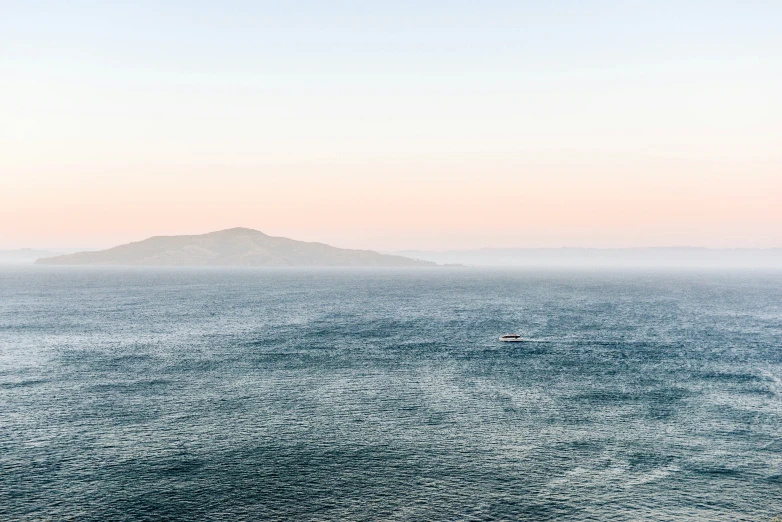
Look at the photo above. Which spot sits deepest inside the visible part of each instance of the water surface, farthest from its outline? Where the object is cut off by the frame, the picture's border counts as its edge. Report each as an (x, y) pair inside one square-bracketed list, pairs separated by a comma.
[(215, 394)]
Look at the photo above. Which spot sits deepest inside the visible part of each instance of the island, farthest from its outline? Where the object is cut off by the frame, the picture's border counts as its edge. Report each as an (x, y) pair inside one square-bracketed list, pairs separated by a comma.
[(231, 247)]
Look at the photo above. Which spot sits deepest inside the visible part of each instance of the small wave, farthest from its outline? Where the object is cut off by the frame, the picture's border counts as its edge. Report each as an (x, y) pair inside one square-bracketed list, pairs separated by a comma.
[(775, 479), (23, 383), (730, 377), (653, 476), (130, 385)]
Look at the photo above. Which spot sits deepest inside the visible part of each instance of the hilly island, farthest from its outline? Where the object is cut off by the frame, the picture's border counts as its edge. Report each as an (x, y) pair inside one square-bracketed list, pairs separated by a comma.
[(231, 247)]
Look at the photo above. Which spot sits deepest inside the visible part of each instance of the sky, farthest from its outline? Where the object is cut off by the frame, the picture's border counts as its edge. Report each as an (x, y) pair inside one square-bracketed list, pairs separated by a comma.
[(393, 125)]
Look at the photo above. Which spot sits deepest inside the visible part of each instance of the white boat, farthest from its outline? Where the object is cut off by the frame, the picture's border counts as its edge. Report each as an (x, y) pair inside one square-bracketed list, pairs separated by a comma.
[(511, 338)]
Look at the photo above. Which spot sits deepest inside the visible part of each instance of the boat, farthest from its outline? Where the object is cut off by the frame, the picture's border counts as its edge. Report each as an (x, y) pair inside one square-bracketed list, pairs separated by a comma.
[(511, 338)]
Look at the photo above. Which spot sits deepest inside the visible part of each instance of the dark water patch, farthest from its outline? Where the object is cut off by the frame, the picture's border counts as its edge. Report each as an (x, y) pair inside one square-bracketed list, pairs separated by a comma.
[(268, 342), (606, 397), (22, 383), (775, 479), (139, 385), (731, 377), (713, 470), (129, 358), (661, 412)]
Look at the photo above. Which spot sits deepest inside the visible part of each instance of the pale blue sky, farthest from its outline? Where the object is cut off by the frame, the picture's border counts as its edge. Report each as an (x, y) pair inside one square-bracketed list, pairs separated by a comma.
[(104, 103)]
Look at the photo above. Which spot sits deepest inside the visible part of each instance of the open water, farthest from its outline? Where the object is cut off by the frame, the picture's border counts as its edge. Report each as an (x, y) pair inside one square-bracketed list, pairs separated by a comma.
[(261, 394)]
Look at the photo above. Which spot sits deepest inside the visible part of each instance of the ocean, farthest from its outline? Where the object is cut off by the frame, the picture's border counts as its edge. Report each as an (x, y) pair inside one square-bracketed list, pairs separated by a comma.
[(367, 394)]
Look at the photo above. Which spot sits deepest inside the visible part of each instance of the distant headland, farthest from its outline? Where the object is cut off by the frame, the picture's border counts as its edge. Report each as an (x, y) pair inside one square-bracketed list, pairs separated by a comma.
[(231, 247)]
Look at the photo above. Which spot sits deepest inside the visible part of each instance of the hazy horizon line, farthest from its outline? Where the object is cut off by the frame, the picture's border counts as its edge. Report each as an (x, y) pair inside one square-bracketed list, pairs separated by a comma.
[(71, 249)]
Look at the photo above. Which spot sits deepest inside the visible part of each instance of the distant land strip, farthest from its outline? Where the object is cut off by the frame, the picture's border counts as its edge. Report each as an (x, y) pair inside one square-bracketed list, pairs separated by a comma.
[(231, 247)]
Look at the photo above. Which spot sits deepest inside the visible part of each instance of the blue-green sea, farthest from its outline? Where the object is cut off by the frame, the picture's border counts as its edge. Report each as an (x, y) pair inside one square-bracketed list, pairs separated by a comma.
[(303, 394)]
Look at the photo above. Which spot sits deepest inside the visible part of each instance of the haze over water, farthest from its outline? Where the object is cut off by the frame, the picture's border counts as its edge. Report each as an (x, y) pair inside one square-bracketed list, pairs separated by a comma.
[(249, 394)]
